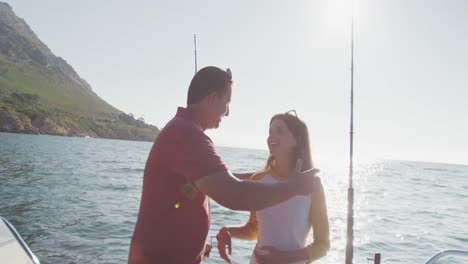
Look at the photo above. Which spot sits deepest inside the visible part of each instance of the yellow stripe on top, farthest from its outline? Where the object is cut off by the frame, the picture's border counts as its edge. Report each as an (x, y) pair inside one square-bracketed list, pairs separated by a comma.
[(259, 175), (320, 226)]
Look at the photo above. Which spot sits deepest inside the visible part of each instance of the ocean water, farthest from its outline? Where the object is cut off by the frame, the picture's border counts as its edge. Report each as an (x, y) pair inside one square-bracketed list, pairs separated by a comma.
[(75, 200)]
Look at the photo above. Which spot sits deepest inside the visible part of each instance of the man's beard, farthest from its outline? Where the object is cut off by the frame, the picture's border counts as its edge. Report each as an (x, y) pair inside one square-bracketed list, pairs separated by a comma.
[(216, 125)]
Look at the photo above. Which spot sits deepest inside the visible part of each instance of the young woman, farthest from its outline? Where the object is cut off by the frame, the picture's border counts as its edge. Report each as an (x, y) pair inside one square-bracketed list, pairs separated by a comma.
[(281, 231)]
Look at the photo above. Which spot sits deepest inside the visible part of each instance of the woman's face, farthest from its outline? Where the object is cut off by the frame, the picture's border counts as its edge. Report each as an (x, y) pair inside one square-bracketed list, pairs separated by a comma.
[(281, 141)]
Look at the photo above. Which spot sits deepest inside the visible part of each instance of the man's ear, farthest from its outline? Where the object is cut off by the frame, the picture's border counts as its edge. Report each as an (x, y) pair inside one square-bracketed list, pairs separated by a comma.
[(211, 97)]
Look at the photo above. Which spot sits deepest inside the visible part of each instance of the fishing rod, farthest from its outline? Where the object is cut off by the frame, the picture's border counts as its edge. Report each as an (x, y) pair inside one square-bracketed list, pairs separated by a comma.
[(195, 45), (350, 223)]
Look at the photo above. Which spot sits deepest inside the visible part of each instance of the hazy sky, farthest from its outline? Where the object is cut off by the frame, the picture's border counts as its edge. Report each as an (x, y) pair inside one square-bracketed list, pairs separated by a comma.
[(411, 66)]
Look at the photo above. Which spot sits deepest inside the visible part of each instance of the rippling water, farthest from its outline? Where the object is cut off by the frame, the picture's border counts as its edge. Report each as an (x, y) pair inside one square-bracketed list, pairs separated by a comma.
[(75, 200)]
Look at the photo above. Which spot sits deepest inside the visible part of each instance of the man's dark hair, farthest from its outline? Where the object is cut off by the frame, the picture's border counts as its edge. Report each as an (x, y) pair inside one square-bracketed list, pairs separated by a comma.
[(207, 80)]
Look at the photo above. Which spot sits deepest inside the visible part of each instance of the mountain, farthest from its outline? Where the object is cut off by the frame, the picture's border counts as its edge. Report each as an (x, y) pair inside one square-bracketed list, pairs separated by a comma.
[(40, 93)]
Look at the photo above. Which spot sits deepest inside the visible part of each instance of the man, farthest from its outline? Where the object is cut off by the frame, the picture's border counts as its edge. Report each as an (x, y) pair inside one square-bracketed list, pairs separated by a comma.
[(183, 170)]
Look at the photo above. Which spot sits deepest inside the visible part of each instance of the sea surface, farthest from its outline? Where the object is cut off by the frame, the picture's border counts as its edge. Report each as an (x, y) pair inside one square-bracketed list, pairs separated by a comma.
[(75, 200)]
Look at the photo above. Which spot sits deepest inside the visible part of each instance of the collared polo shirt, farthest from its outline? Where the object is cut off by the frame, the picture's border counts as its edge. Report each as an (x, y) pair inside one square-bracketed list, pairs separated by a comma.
[(174, 217)]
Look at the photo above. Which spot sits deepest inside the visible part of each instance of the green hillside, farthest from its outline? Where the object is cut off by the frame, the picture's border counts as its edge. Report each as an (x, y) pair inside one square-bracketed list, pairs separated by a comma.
[(41, 94)]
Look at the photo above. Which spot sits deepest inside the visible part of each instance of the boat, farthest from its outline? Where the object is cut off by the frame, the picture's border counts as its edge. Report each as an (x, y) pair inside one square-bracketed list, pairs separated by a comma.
[(447, 253), (13, 249)]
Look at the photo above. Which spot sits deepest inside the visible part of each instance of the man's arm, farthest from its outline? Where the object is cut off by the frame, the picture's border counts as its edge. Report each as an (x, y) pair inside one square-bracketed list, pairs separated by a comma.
[(234, 194)]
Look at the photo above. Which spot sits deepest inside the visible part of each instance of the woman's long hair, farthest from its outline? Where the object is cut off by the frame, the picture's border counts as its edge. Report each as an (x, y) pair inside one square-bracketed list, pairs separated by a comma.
[(300, 132)]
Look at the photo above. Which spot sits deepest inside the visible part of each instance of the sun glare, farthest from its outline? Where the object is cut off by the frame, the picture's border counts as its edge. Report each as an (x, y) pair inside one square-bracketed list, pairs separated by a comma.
[(336, 14)]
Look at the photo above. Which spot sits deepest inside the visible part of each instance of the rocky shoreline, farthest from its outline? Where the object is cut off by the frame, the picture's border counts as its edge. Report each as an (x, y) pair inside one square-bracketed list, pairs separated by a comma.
[(23, 124)]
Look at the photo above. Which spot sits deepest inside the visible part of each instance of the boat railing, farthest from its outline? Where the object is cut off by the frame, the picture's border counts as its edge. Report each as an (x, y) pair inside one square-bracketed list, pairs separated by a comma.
[(447, 253), (20, 241)]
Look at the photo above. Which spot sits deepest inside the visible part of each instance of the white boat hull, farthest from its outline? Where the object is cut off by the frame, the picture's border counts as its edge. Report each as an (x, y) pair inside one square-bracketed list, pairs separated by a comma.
[(13, 250)]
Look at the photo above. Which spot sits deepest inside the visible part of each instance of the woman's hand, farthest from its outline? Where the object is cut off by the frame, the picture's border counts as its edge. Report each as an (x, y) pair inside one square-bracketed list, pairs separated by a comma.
[(224, 240), (271, 255)]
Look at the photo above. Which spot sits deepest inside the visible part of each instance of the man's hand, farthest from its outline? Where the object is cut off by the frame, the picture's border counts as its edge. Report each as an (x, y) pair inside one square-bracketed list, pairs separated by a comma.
[(305, 182)]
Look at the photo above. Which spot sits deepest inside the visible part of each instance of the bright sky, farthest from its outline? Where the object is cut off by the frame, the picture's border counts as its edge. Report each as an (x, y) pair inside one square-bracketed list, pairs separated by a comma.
[(411, 66)]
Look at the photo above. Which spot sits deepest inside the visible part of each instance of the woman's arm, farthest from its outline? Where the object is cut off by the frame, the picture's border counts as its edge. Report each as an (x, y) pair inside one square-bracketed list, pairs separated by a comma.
[(319, 222), (246, 232)]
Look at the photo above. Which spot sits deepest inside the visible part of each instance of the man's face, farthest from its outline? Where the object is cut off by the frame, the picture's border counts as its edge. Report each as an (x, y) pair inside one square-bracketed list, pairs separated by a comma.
[(220, 107)]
